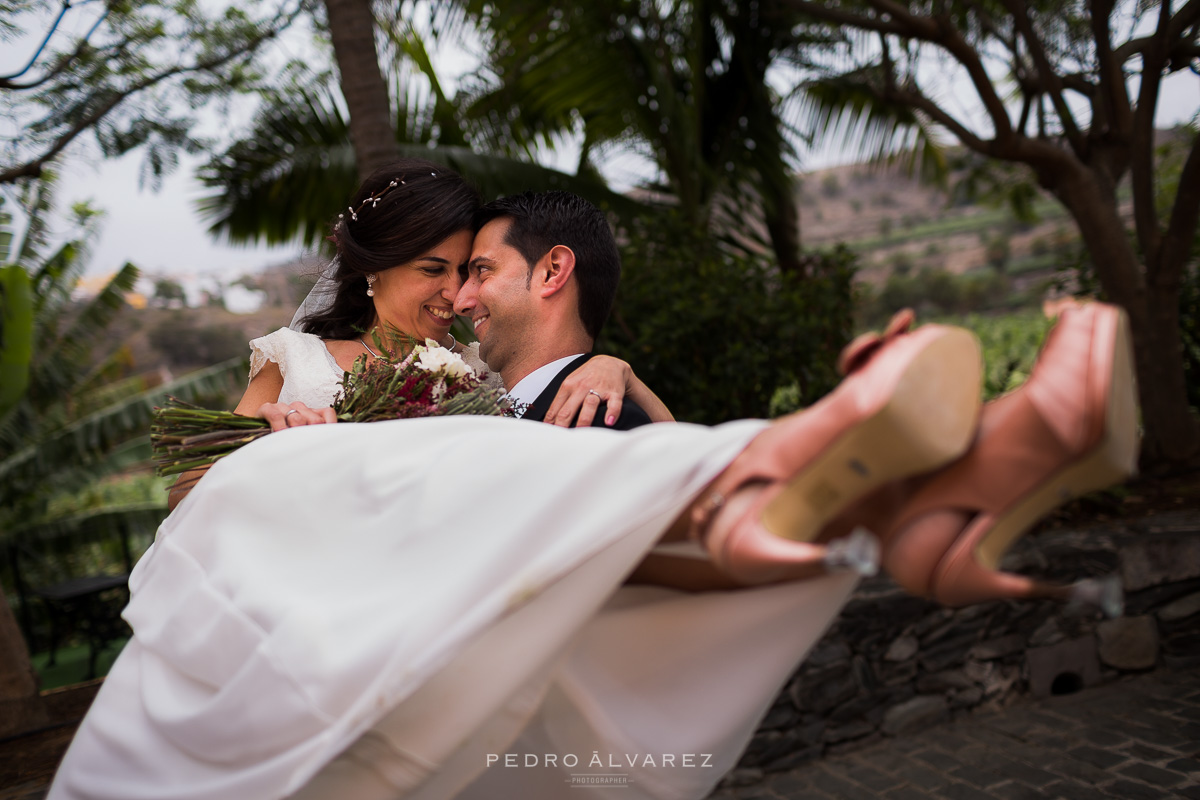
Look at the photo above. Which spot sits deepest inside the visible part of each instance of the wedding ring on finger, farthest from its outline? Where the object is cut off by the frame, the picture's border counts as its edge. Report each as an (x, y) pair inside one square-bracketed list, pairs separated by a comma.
[(288, 414), (593, 391)]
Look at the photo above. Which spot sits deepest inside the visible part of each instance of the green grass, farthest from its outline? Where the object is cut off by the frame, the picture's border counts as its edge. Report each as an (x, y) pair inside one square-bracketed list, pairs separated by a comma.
[(71, 664), (1009, 342), (1045, 262)]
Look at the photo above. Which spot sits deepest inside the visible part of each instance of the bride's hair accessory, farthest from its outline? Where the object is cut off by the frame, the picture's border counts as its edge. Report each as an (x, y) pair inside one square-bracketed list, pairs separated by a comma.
[(371, 278), (374, 199), (417, 205)]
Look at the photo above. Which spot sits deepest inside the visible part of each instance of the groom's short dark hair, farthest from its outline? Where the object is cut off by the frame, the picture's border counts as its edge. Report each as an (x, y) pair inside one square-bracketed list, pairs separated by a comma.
[(541, 220)]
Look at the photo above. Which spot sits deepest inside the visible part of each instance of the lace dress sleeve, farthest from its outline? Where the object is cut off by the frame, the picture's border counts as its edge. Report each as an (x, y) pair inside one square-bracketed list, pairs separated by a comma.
[(470, 355), (310, 373)]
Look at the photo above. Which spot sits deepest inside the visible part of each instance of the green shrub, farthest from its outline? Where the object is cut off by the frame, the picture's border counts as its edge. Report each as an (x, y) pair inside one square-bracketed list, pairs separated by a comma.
[(830, 186), (1010, 344), (186, 342), (903, 262), (715, 332), (934, 291)]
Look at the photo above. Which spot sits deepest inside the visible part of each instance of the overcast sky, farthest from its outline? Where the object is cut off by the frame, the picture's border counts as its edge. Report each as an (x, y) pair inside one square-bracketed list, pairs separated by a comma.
[(162, 233)]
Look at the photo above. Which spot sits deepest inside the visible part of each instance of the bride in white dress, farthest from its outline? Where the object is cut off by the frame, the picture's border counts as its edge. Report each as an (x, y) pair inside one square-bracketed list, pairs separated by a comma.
[(436, 608)]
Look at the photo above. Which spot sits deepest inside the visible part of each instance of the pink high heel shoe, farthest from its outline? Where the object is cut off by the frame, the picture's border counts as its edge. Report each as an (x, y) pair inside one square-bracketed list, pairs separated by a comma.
[(1070, 429), (909, 404)]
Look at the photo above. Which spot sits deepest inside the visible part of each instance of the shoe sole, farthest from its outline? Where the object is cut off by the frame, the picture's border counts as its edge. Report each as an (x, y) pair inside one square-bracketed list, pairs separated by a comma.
[(1111, 461), (928, 421)]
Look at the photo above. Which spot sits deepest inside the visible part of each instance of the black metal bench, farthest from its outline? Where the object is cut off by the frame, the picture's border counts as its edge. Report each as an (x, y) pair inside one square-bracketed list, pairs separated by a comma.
[(79, 603)]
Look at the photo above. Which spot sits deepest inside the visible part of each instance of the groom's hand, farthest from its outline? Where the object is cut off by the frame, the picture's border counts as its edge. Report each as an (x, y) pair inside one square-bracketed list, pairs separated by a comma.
[(293, 415)]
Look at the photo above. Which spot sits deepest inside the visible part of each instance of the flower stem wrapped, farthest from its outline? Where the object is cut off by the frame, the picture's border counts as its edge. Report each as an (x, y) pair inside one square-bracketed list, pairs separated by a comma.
[(419, 381)]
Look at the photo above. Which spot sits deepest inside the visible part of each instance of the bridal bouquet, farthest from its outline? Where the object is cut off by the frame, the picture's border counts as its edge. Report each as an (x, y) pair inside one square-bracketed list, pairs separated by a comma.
[(428, 380)]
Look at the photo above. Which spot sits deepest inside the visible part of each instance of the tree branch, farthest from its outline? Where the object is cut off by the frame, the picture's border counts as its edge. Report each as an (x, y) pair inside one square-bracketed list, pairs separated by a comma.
[(920, 101), (845, 18), (1113, 95), (1078, 82), (66, 6), (918, 26), (1026, 104), (1186, 17), (66, 61), (1047, 74), (33, 168), (938, 31), (1185, 212), (968, 56), (1036, 153), (1145, 215)]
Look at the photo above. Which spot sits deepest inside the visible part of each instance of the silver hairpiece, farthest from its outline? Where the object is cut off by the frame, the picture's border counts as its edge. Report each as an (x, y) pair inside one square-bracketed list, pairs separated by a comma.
[(373, 199)]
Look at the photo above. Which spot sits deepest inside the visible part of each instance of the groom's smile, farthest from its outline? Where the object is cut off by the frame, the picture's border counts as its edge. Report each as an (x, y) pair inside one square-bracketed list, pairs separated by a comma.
[(496, 296)]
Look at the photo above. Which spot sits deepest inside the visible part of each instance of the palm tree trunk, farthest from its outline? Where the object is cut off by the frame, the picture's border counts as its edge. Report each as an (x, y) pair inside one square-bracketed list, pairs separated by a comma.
[(352, 29), (783, 226)]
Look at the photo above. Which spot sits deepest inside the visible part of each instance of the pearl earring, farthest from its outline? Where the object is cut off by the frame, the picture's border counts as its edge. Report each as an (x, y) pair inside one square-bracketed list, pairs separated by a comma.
[(371, 278)]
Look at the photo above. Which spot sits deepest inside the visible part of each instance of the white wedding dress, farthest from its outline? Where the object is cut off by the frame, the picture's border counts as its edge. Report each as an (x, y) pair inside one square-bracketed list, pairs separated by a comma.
[(434, 608)]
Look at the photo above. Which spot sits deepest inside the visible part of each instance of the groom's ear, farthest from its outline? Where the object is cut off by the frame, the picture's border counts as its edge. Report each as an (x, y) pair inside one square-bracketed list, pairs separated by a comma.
[(556, 266)]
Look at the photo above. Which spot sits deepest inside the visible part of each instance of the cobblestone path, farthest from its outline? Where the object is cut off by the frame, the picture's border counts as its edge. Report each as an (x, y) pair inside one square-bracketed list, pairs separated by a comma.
[(1133, 739)]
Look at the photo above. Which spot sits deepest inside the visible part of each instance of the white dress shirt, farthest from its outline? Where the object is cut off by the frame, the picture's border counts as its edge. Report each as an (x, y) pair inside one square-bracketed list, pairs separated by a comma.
[(528, 388)]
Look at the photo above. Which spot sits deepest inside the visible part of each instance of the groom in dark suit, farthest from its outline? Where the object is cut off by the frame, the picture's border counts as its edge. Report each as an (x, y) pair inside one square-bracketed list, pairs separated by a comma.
[(540, 284)]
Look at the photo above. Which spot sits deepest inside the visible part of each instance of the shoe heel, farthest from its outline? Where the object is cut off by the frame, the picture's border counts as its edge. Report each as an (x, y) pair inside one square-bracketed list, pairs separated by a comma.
[(973, 583), (1114, 459), (927, 420), (971, 576)]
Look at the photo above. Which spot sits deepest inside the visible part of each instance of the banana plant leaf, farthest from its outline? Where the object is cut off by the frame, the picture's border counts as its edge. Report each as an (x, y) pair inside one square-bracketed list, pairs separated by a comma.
[(16, 337)]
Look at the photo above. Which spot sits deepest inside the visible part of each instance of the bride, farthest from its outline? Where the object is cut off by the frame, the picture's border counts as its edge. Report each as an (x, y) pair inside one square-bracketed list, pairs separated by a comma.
[(398, 268), (347, 611)]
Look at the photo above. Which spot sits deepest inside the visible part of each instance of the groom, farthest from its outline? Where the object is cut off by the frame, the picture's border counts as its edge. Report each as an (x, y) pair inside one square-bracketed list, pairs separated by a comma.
[(540, 284)]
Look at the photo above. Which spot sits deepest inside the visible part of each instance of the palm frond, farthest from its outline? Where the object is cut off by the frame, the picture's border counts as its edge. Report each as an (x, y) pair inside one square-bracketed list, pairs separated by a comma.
[(851, 107), (37, 199), (442, 113), (497, 175), (87, 440), (287, 177), (61, 357), (290, 176), (131, 518)]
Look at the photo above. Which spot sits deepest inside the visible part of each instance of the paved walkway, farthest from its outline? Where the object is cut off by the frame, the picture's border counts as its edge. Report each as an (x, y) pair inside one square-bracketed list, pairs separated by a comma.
[(1137, 738)]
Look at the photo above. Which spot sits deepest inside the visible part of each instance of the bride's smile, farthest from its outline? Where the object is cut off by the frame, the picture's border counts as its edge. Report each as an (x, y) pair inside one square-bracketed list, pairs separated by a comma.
[(418, 297)]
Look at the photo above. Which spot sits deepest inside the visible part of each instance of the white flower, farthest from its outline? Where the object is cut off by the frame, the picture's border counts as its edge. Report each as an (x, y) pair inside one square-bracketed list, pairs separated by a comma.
[(437, 359)]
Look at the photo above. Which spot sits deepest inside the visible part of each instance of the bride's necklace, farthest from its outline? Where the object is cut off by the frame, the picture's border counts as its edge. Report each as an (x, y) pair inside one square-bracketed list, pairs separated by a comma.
[(453, 344)]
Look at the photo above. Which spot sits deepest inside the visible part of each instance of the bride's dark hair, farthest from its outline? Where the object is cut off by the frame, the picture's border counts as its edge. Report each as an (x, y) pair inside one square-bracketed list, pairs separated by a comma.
[(400, 212)]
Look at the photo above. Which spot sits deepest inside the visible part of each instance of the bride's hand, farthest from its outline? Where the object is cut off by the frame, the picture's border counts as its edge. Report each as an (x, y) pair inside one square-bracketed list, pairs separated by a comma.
[(600, 378), (293, 415)]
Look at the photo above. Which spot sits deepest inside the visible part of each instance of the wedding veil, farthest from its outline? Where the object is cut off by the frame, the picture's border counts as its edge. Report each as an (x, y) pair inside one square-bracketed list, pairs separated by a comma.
[(319, 298)]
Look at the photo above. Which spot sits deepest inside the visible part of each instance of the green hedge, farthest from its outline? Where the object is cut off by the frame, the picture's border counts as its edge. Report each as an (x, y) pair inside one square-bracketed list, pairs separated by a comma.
[(714, 331)]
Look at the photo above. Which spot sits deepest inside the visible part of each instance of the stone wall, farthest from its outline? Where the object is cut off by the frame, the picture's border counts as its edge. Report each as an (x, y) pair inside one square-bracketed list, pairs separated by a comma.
[(893, 663)]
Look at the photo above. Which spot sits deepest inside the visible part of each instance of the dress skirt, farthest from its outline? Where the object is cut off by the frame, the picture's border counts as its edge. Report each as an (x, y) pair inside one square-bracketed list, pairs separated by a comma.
[(432, 609)]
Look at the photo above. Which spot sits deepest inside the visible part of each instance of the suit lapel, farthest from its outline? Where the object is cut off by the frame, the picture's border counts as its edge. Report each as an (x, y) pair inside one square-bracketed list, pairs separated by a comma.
[(538, 408)]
